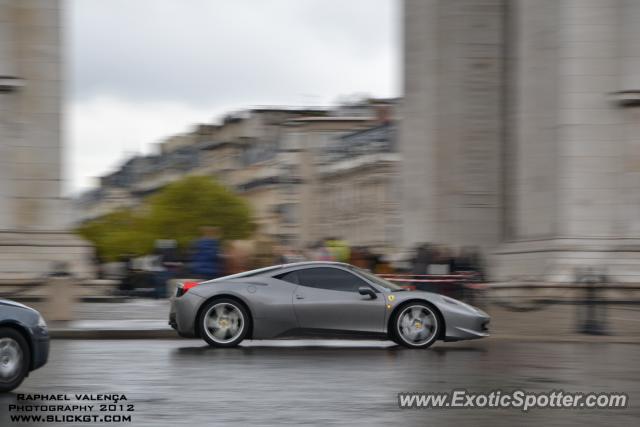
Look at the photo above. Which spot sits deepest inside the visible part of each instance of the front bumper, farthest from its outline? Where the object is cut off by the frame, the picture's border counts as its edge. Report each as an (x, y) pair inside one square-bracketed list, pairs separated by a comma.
[(470, 330), (40, 352), (463, 324)]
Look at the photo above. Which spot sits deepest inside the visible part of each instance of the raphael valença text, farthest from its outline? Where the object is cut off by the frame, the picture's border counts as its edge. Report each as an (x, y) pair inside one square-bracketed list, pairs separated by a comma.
[(110, 397)]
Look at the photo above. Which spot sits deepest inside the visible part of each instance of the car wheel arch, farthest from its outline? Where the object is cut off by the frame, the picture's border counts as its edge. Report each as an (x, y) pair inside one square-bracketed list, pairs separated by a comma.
[(24, 331), (432, 306), (223, 296)]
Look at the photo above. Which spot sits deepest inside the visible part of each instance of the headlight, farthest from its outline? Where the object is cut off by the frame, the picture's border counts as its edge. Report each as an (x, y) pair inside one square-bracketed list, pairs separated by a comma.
[(41, 322)]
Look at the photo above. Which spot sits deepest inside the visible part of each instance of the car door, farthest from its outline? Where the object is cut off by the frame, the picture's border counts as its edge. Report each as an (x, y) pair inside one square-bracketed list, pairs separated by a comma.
[(327, 298)]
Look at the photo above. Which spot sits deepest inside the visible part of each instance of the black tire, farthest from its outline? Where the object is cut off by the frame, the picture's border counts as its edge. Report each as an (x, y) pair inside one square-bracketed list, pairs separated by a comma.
[(11, 336), (232, 341), (396, 335)]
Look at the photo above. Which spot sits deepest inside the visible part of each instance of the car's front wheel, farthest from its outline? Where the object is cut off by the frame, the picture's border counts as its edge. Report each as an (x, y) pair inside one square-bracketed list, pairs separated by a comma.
[(224, 323), (14, 359), (415, 325)]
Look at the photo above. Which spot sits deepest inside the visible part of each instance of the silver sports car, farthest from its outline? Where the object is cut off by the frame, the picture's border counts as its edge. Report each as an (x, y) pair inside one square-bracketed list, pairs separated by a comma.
[(319, 299)]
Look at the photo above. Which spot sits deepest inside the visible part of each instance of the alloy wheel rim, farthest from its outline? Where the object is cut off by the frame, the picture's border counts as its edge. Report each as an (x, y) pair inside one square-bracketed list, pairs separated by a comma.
[(224, 323), (417, 325), (10, 359)]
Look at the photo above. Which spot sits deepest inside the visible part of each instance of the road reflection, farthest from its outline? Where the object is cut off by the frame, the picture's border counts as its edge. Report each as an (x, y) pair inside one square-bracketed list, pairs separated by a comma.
[(175, 382)]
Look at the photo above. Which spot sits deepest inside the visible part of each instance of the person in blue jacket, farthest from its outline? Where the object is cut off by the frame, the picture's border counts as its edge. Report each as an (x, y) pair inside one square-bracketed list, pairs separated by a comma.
[(205, 254)]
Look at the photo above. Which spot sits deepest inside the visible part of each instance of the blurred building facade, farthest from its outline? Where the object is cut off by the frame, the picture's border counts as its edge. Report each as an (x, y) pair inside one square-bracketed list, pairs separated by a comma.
[(521, 132), (33, 215), (306, 142), (241, 152), (276, 158), (358, 183)]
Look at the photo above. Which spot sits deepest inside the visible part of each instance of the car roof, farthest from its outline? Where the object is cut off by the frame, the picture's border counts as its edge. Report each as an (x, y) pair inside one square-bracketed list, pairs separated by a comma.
[(271, 270), (314, 264)]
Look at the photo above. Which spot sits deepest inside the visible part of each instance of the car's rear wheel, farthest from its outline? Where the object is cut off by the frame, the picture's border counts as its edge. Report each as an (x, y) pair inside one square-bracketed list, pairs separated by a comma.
[(14, 359), (224, 323), (415, 325)]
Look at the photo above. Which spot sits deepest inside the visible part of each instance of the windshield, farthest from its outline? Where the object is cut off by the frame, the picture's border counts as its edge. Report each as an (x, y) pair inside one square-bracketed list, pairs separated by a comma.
[(379, 281)]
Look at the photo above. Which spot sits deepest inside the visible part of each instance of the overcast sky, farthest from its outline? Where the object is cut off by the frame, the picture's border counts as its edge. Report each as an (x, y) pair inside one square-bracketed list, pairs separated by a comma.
[(141, 70)]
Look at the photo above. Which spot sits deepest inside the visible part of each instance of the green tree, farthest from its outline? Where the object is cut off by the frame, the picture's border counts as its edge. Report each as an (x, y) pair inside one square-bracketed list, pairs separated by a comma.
[(183, 207), (178, 211), (118, 233)]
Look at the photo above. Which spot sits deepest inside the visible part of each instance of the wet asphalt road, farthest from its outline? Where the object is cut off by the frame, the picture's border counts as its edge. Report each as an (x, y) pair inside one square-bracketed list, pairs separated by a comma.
[(182, 382)]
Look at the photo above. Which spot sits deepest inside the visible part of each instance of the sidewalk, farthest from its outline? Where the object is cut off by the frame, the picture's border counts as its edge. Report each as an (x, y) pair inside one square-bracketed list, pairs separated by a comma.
[(142, 319), (130, 319), (560, 323)]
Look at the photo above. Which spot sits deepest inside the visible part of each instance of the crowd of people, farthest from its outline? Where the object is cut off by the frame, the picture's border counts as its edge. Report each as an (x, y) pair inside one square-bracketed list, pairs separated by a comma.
[(439, 259), (208, 257)]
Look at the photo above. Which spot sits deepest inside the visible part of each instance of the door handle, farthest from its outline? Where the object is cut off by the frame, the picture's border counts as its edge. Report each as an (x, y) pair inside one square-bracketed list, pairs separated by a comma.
[(298, 296)]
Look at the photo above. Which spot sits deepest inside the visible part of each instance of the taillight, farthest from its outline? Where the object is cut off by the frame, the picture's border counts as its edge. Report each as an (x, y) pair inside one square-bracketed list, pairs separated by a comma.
[(184, 287)]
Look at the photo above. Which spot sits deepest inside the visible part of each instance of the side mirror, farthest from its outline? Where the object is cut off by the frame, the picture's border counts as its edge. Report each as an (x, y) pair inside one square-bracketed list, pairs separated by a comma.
[(365, 290)]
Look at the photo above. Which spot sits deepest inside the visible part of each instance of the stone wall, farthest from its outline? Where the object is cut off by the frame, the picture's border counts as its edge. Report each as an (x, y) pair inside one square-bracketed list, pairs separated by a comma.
[(451, 132), (33, 213), (514, 137)]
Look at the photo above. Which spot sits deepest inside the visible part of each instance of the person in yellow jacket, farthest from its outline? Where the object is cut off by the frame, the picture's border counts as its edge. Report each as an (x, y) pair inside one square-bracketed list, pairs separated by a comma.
[(339, 249)]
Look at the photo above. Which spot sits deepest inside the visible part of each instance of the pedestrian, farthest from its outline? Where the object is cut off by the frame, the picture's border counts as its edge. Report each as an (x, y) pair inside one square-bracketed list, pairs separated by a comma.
[(239, 254), (358, 257), (470, 261), (205, 254), (338, 248), (382, 265), (422, 259), (167, 265), (318, 252), (442, 262), (289, 255), (263, 252)]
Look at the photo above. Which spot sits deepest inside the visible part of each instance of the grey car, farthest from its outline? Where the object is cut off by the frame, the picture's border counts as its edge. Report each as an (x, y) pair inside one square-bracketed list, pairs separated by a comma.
[(24, 343), (319, 299)]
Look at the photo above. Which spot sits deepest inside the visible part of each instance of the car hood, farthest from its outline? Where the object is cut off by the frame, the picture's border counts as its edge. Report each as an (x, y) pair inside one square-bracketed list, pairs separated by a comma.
[(437, 299), (415, 294), (13, 303)]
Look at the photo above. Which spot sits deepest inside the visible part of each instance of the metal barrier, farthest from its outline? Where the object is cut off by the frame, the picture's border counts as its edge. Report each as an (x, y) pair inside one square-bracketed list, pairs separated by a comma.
[(591, 314)]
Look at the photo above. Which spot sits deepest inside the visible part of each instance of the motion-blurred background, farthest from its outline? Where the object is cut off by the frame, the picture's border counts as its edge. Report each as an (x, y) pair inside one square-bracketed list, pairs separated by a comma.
[(484, 149), (442, 143)]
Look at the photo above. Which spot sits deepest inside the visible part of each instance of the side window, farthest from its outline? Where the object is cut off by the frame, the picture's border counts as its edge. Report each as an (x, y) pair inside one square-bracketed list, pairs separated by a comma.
[(291, 277), (330, 278)]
